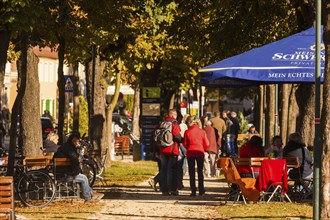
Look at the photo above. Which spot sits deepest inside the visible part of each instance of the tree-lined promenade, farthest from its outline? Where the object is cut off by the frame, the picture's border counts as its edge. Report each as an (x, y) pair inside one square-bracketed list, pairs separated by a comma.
[(152, 43)]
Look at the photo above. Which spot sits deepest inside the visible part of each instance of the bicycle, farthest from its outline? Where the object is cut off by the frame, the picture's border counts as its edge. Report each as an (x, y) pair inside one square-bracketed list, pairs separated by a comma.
[(88, 164), (92, 167), (34, 188)]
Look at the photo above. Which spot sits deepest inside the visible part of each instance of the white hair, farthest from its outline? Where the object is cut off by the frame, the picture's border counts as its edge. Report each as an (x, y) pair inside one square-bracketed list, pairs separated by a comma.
[(208, 123)]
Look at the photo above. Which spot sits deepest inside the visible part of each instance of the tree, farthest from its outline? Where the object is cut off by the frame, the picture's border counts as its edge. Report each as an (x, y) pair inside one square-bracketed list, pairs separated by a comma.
[(325, 122)]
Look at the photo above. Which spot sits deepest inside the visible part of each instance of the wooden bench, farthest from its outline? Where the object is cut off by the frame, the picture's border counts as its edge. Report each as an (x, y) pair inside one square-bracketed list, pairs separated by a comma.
[(66, 186), (7, 210), (292, 162), (122, 145), (245, 137), (37, 161), (242, 137), (252, 162)]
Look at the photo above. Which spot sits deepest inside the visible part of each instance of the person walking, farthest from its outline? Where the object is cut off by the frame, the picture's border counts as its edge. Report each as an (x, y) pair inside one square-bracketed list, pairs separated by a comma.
[(211, 151), (220, 125), (196, 142), (169, 158), (182, 160), (233, 133)]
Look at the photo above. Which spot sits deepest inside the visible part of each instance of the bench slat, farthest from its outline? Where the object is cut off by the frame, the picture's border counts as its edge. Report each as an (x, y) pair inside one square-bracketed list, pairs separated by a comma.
[(6, 206), (62, 162), (5, 188), (5, 193), (37, 161), (4, 200)]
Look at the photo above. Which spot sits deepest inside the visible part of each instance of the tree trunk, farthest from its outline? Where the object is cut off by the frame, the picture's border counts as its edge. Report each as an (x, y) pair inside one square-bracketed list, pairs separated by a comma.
[(109, 110), (15, 119), (259, 110), (4, 44), (61, 87), (98, 122), (285, 111), (136, 111), (270, 113), (293, 111), (30, 117), (306, 100), (76, 93), (325, 123)]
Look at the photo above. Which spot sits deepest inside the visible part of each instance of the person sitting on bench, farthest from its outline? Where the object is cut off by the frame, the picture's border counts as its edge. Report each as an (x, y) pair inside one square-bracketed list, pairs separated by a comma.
[(69, 150)]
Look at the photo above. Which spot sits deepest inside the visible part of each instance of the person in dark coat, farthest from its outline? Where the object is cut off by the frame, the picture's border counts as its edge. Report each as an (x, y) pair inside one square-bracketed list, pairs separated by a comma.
[(296, 148), (69, 150), (211, 151)]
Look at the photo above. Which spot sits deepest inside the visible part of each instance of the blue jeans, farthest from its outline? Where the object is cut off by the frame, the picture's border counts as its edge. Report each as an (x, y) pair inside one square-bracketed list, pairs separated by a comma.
[(86, 189), (191, 167), (169, 173), (230, 145)]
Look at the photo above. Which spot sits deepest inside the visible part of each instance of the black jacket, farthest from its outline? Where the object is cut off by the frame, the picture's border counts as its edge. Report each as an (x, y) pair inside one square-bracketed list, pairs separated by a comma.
[(295, 149), (69, 151)]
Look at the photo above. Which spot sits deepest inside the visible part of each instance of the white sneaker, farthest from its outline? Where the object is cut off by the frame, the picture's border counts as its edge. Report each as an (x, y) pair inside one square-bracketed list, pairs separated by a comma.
[(97, 196), (152, 184)]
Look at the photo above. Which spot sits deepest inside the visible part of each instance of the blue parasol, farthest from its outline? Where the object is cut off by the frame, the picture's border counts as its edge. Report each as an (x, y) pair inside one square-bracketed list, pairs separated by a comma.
[(289, 60)]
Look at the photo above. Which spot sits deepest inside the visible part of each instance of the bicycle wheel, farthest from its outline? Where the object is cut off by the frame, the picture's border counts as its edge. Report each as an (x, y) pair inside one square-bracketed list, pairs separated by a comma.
[(88, 169), (36, 189)]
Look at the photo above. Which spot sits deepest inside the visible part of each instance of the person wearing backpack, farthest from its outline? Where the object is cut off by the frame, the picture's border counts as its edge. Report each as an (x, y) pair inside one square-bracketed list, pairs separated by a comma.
[(168, 138), (196, 142)]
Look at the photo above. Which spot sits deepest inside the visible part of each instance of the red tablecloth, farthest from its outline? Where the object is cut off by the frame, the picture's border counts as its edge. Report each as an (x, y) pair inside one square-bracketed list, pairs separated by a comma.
[(273, 172)]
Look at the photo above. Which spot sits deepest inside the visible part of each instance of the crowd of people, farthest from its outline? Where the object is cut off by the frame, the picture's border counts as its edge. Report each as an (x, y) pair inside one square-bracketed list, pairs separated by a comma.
[(202, 141), (195, 142)]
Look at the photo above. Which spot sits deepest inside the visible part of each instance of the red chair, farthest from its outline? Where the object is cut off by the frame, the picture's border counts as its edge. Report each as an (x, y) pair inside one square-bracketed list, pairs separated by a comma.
[(273, 180)]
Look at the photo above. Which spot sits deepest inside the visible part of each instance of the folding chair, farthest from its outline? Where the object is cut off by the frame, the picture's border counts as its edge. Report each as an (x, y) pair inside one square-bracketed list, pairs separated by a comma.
[(244, 186), (272, 181), (302, 189)]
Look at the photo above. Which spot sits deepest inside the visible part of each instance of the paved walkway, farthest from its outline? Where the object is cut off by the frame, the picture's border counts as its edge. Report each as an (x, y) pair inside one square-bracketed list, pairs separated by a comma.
[(142, 202)]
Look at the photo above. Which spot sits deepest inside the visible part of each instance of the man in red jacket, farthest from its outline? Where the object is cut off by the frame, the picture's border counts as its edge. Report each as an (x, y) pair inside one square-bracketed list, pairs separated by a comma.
[(169, 158)]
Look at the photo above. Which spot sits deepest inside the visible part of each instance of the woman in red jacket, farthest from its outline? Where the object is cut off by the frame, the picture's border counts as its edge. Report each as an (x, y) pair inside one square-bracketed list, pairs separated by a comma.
[(196, 142)]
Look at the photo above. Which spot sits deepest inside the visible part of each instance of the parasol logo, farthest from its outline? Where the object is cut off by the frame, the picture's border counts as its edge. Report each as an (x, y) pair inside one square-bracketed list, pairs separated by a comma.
[(313, 47)]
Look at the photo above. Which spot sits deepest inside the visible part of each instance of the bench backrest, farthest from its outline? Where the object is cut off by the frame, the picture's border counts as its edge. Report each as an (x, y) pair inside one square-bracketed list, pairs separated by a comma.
[(122, 143), (253, 161), (6, 197), (256, 161), (292, 162), (242, 161), (37, 161), (62, 162)]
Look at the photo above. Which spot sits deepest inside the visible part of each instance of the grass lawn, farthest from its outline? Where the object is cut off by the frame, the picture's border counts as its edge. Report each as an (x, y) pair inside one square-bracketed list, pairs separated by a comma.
[(129, 173), (271, 211)]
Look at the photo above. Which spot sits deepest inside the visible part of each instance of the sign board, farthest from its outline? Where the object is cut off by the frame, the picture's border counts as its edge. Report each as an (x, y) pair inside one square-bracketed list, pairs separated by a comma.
[(150, 92), (68, 83), (150, 117)]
